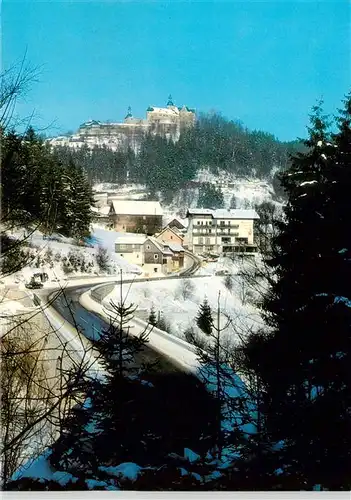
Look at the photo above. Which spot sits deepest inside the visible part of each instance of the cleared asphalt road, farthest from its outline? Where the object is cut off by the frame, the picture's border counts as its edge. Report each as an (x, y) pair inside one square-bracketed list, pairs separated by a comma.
[(91, 324)]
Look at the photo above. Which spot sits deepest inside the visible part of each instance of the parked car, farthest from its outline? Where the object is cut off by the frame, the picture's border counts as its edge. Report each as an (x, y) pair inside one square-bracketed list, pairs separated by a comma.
[(34, 284), (42, 276)]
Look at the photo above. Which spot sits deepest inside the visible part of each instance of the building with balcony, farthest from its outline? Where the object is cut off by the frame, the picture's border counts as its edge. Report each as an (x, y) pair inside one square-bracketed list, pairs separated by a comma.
[(221, 231)]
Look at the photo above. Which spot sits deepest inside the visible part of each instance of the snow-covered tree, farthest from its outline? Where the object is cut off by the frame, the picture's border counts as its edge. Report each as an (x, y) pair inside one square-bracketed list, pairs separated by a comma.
[(204, 318), (303, 356)]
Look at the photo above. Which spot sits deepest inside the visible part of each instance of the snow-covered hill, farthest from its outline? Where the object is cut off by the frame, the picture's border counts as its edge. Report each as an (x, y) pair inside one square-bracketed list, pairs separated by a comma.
[(179, 309), (62, 258), (247, 193)]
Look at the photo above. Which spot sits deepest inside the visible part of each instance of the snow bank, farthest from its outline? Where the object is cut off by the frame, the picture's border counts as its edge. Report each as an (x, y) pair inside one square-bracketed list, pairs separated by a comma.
[(38, 468), (127, 470)]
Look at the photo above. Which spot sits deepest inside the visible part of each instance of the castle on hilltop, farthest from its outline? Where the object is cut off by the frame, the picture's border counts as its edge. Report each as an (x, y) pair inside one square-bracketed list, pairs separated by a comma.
[(168, 122)]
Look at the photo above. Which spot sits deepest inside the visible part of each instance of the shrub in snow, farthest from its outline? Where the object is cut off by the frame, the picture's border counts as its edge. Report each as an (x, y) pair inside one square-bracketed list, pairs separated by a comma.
[(102, 259), (228, 282), (152, 317), (194, 338), (57, 257), (163, 324), (48, 255), (67, 267), (186, 289)]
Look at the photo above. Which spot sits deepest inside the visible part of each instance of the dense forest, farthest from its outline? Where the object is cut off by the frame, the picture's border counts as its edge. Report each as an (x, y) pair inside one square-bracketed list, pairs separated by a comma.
[(215, 143), (40, 190)]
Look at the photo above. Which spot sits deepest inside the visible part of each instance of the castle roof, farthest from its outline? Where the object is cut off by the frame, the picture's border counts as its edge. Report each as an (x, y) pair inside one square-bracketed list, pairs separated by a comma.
[(165, 111)]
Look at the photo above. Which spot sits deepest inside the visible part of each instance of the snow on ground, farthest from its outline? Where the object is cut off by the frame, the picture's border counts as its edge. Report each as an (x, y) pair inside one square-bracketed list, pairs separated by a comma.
[(11, 307), (52, 250), (38, 468), (167, 300), (247, 191)]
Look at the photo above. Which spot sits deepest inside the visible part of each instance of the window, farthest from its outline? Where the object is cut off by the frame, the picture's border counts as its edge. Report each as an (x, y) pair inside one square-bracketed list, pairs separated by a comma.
[(155, 256), (147, 247), (121, 254), (209, 231), (155, 269), (137, 256), (210, 223), (171, 237), (144, 218), (198, 222), (201, 241), (222, 222)]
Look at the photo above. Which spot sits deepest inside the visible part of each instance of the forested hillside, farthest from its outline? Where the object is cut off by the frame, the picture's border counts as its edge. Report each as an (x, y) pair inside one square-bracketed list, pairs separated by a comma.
[(215, 143), (39, 190)]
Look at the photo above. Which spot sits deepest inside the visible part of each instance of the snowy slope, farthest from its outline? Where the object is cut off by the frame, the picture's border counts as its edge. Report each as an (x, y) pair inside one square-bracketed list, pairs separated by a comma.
[(166, 298), (51, 253)]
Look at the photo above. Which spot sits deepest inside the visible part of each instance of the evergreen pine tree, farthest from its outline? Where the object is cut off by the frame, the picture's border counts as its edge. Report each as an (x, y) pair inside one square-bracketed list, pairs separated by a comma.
[(235, 421), (302, 360), (204, 318), (78, 201), (152, 317)]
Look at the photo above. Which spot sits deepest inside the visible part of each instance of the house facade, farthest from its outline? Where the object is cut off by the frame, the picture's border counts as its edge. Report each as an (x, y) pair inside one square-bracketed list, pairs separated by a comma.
[(177, 257), (134, 216), (170, 235), (221, 231), (157, 258), (151, 255), (131, 248)]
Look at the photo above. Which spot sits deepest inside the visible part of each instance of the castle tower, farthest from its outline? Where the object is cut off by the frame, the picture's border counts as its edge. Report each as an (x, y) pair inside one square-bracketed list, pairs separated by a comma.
[(129, 113), (170, 101)]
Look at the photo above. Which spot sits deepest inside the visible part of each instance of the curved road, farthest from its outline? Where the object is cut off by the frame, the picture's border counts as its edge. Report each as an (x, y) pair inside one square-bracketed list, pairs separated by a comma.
[(91, 324)]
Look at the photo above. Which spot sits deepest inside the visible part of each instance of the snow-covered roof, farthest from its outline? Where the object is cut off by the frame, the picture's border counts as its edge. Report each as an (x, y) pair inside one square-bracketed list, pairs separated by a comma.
[(165, 111), (136, 207), (200, 211), (160, 246), (174, 230), (224, 214), (176, 221), (175, 247), (130, 239), (235, 213), (104, 210)]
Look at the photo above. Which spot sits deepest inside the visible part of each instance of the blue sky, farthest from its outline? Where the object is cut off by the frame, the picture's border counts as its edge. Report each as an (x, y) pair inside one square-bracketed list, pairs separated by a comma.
[(264, 63)]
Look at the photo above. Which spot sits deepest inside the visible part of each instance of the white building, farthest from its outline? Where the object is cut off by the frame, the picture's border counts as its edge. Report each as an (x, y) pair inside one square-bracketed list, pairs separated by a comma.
[(130, 248), (154, 257), (167, 121), (221, 231)]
